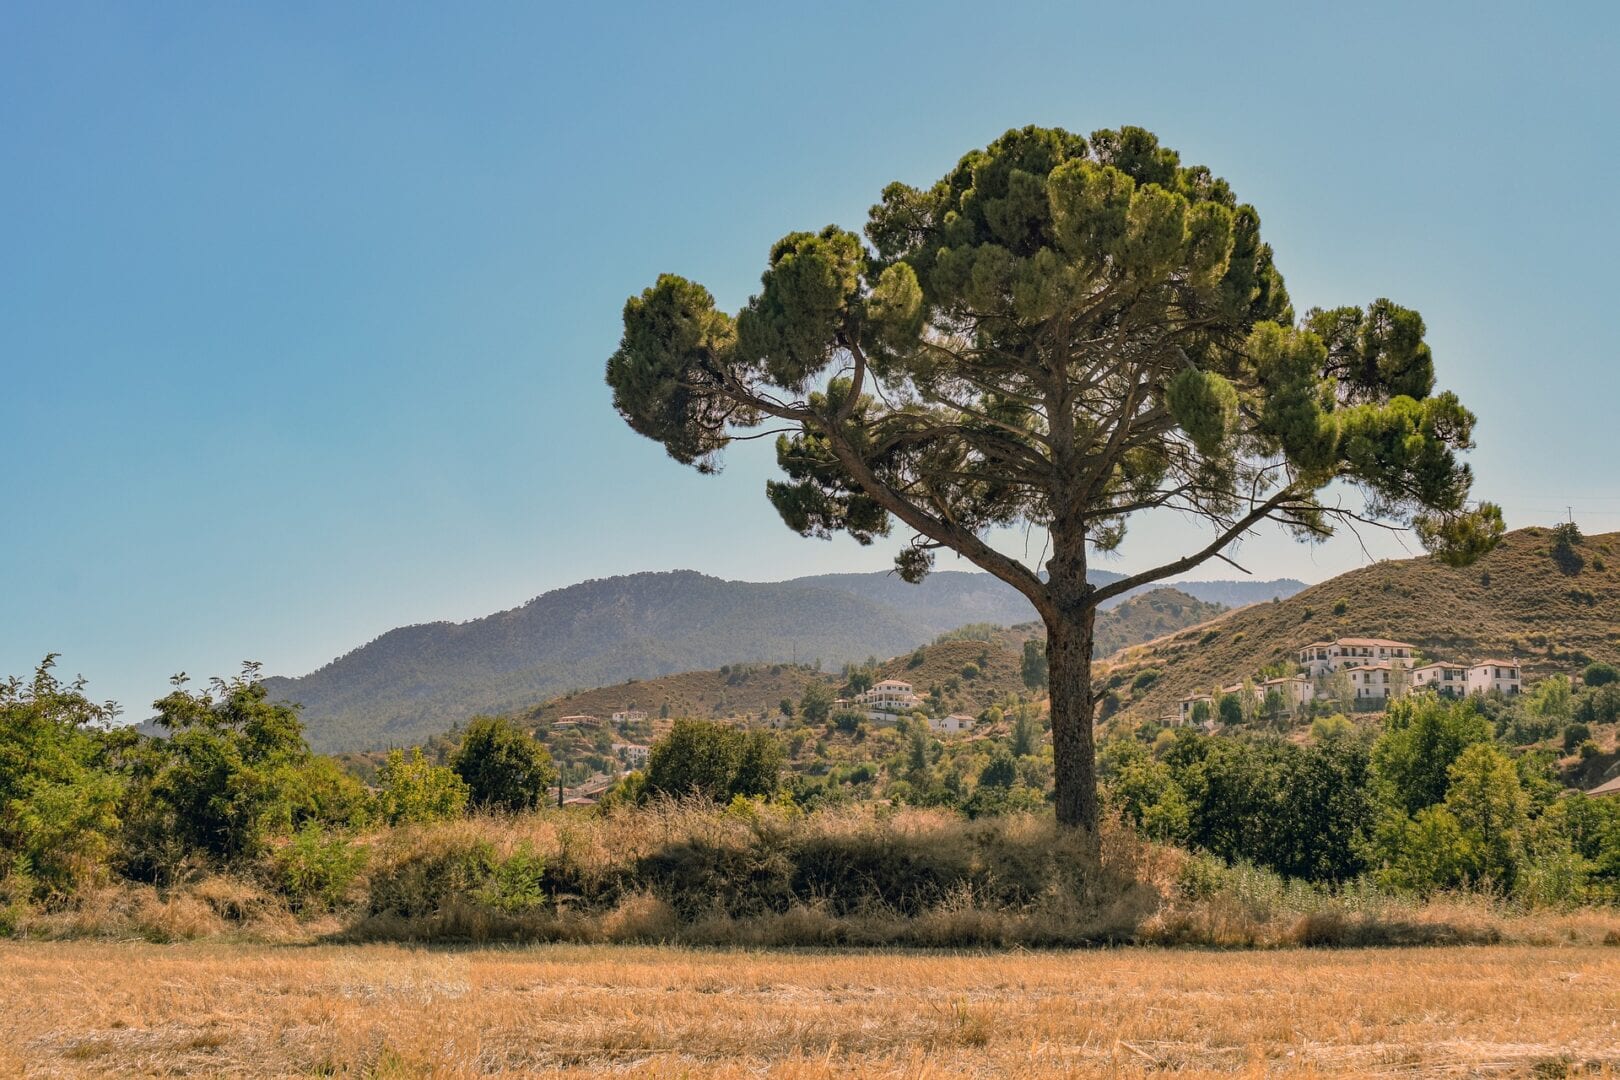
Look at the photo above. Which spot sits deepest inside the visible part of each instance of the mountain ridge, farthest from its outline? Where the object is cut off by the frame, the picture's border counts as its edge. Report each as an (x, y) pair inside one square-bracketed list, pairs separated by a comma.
[(424, 677)]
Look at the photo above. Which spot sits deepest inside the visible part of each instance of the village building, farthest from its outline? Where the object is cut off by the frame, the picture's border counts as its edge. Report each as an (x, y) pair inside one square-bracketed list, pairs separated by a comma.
[(633, 755), (1296, 691), (1450, 680), (579, 720), (891, 697), (1188, 705), (1501, 676), (1607, 789), (629, 716), (954, 724), (1376, 680), (1323, 657)]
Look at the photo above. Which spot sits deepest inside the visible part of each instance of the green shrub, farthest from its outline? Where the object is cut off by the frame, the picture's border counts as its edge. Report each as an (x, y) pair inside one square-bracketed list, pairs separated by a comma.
[(1600, 674), (1341, 606), (412, 790), (516, 884), (317, 868), (1145, 679)]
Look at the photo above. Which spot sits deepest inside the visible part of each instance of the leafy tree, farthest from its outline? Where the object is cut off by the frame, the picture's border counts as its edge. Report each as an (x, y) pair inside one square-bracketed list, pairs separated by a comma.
[(59, 794), (234, 772), (1490, 809), (848, 721), (1033, 666), (1230, 710), (503, 766), (1600, 674), (413, 790), (1061, 332), (1201, 714), (1026, 732), (815, 704), (788, 708), (860, 681), (1001, 771), (1422, 737), (701, 757)]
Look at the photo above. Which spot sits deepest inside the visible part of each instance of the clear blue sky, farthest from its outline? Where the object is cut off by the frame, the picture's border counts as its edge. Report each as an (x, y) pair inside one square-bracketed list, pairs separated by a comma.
[(304, 307)]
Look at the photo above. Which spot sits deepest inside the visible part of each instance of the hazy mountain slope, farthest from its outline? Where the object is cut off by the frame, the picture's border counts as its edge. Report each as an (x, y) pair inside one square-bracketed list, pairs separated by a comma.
[(1522, 601), (955, 597), (420, 679)]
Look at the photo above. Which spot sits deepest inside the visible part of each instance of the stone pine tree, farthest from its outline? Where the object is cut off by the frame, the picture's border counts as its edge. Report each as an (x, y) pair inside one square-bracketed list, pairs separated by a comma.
[(1061, 333)]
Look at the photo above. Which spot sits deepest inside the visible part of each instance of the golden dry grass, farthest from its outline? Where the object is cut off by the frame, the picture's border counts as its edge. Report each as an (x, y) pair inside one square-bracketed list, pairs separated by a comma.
[(84, 1009)]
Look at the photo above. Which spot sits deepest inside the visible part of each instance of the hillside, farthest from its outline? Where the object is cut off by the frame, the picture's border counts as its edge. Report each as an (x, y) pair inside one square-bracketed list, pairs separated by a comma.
[(1150, 615), (1523, 601), (417, 680)]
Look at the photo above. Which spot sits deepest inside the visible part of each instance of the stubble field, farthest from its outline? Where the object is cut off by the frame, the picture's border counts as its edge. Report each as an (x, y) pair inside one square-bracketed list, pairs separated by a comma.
[(99, 1009)]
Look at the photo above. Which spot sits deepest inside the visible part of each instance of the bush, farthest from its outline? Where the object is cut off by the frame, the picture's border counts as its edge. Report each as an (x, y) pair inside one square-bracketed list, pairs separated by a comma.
[(1145, 679), (516, 884), (1341, 606), (317, 868), (1574, 735), (1600, 674), (848, 721), (715, 761), (412, 790)]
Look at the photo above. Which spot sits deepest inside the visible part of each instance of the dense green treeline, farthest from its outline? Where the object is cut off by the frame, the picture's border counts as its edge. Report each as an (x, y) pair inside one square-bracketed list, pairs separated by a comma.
[(1431, 801)]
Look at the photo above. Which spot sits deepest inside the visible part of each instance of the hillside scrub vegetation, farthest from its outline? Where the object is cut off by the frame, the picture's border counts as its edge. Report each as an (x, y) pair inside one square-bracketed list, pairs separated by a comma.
[(231, 824)]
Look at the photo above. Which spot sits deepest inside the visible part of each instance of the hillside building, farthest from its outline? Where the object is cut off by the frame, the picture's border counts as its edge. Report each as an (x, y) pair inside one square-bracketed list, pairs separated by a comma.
[(580, 720), (633, 755), (891, 697), (1185, 709), (1449, 680), (954, 724), (1377, 680), (1501, 676), (629, 716), (1296, 690), (1322, 657)]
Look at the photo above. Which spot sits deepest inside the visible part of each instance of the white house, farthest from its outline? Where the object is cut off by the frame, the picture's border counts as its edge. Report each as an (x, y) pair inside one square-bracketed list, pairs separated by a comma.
[(1378, 680), (1503, 676), (633, 754), (629, 716), (1184, 712), (891, 696), (1320, 657), (1448, 679), (954, 724), (1296, 691)]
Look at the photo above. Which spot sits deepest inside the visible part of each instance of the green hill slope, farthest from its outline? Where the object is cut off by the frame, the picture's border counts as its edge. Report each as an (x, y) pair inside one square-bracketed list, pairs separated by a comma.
[(1523, 601)]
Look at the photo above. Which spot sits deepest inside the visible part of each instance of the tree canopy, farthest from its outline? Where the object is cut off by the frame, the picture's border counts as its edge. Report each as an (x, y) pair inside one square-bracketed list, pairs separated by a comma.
[(1061, 332)]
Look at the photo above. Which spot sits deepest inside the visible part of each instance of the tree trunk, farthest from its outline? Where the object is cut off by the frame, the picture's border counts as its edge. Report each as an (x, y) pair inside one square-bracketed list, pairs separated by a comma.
[(1068, 657)]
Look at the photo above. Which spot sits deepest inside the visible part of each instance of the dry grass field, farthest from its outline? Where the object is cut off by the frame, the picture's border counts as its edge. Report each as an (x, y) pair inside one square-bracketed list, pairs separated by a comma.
[(99, 1009)]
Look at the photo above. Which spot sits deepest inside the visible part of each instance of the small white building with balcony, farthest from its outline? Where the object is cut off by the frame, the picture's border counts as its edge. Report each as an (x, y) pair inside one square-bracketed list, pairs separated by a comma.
[(1321, 657), (1501, 676), (1450, 680), (891, 697)]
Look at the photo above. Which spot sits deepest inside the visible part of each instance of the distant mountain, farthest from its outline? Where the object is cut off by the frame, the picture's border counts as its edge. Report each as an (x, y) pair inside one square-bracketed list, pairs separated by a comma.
[(418, 680)]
